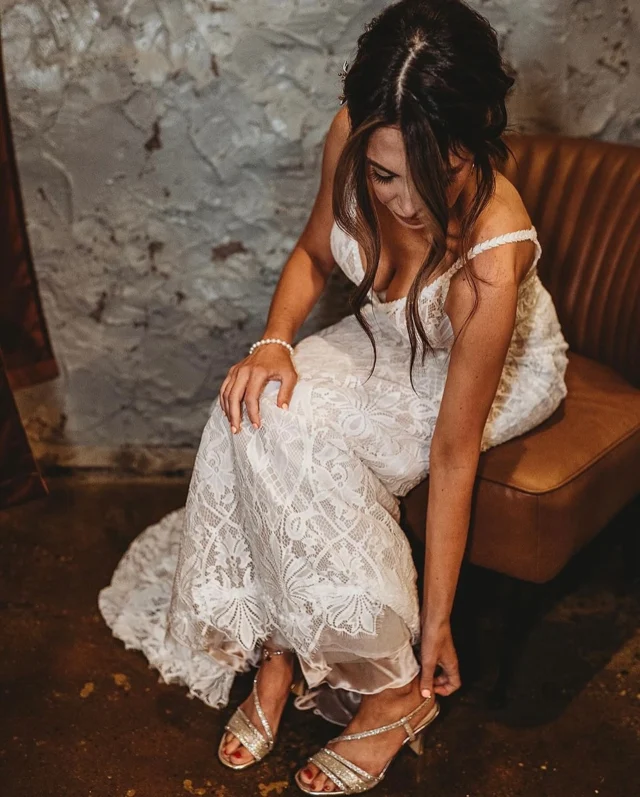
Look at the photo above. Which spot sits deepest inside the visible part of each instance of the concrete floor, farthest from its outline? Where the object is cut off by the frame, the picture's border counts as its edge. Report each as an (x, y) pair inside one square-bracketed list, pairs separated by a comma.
[(82, 716)]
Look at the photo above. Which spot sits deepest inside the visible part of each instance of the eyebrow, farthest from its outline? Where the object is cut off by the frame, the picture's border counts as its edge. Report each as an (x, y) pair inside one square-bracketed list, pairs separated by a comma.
[(380, 166)]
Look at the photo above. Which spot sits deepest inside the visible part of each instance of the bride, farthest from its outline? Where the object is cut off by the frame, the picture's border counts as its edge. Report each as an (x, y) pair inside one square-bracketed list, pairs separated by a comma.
[(288, 553)]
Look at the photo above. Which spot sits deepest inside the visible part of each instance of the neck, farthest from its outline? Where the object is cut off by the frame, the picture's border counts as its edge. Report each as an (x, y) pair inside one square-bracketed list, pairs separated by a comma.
[(463, 203)]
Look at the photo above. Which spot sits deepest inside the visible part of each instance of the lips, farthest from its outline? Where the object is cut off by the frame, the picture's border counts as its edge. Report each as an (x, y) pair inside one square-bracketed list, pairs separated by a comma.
[(414, 221), (409, 219)]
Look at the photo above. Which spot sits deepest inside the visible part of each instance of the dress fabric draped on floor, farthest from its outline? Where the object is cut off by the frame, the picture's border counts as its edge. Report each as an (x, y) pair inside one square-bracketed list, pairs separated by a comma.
[(291, 531)]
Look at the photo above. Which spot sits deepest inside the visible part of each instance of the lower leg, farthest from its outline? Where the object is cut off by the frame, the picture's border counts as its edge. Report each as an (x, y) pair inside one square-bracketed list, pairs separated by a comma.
[(372, 753), (274, 681)]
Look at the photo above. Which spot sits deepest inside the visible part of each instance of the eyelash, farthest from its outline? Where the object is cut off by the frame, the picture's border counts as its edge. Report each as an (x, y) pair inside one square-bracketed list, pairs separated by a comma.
[(379, 178)]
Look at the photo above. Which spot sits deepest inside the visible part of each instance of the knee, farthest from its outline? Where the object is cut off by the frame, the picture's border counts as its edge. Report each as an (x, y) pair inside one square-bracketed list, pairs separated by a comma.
[(270, 393), (274, 419)]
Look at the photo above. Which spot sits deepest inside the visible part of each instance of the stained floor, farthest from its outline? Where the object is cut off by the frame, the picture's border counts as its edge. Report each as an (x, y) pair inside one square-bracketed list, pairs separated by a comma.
[(83, 717)]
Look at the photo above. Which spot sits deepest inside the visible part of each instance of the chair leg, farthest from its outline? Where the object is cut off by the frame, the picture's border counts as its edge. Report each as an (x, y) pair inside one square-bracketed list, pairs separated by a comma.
[(522, 605)]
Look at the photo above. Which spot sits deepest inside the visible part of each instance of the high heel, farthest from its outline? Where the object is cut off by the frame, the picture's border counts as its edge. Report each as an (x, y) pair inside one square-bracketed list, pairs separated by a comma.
[(351, 779), (249, 736), (417, 745)]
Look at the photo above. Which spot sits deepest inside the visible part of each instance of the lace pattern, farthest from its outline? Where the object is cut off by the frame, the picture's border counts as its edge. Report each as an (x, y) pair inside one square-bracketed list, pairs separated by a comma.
[(291, 530)]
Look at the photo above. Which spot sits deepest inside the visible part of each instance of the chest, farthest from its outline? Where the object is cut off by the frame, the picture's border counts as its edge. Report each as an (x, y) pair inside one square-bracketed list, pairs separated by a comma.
[(402, 255)]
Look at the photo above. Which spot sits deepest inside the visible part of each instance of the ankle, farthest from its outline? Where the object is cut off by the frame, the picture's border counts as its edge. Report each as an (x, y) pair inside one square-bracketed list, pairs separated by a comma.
[(277, 670), (408, 690), (270, 653), (278, 665), (390, 697)]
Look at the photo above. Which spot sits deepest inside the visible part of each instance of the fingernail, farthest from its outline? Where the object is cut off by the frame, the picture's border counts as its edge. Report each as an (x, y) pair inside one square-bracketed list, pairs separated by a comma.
[(233, 429), (255, 425), (285, 406), (426, 693)]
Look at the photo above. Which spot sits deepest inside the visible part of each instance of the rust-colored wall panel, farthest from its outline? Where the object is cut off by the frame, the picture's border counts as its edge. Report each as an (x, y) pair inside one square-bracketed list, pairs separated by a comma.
[(24, 338), (26, 356), (20, 479)]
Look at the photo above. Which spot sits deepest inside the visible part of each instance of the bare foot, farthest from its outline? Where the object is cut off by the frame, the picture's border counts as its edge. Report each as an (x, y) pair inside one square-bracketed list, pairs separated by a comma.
[(373, 752), (275, 677)]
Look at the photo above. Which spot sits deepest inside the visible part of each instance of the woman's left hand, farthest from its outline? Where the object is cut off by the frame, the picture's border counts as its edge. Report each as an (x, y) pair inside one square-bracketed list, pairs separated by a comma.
[(437, 648)]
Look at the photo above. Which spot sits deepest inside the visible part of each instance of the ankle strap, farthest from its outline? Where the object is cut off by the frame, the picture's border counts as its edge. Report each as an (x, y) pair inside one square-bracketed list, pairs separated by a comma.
[(403, 721), (267, 653)]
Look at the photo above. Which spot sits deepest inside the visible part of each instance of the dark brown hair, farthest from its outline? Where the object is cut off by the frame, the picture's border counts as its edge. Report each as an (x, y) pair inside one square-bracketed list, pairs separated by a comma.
[(433, 68)]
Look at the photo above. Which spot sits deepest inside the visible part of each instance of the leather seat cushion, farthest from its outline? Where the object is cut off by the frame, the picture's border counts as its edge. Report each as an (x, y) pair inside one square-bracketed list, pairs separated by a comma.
[(543, 495)]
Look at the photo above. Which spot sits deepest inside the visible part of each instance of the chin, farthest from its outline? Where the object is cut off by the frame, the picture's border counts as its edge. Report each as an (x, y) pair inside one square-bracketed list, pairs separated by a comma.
[(415, 226)]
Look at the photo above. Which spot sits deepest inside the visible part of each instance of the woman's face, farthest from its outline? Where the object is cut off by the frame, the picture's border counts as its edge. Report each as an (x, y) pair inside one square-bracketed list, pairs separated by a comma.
[(388, 171)]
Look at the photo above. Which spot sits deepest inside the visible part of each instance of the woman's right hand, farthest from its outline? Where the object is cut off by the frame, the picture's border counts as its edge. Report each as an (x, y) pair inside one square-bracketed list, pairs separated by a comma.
[(246, 380)]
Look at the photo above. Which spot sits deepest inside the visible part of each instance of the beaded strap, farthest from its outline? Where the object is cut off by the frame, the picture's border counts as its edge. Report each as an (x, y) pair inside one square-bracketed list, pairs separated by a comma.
[(403, 721), (262, 342), (530, 234)]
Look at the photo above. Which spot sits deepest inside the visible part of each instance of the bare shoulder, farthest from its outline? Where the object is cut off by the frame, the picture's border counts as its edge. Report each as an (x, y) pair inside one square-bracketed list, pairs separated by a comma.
[(338, 132), (505, 212), (315, 237), (341, 121)]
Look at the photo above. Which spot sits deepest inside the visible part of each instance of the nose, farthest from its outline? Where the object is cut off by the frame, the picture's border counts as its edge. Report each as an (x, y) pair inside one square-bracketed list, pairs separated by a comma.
[(406, 211), (405, 205)]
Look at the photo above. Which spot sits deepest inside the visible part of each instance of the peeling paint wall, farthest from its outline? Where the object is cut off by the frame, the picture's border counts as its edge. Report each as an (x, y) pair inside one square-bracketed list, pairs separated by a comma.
[(170, 151)]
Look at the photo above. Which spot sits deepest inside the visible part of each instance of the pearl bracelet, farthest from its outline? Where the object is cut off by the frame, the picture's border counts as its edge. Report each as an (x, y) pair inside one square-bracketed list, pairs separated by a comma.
[(255, 345)]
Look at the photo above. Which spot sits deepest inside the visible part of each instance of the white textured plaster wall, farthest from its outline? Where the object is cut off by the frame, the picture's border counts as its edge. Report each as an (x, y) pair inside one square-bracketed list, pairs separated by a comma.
[(169, 152)]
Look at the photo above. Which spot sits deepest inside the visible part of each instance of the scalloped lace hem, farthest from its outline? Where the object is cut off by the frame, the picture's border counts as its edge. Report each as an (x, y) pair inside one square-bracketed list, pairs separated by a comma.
[(137, 607)]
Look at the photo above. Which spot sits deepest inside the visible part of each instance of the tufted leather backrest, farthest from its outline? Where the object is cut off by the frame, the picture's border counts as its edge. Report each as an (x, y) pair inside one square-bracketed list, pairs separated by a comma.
[(583, 197)]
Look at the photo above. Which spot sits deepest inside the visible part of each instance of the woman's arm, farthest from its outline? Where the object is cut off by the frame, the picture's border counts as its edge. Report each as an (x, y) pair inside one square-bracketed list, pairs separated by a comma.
[(303, 278), (473, 375), (474, 371), (305, 274)]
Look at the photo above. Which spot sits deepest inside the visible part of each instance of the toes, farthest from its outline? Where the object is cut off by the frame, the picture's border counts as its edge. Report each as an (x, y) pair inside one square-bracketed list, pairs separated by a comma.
[(242, 756), (235, 752), (316, 779), (319, 782), (231, 745), (308, 773)]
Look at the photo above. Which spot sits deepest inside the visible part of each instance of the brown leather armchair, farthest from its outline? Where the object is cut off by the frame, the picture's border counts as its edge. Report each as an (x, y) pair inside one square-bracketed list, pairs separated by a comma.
[(540, 497)]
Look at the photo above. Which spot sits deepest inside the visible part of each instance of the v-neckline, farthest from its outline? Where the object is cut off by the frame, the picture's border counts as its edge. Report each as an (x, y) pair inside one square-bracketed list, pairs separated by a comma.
[(375, 294), (481, 245)]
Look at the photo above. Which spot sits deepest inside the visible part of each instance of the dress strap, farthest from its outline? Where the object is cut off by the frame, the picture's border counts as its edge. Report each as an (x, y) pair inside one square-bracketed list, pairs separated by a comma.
[(506, 238)]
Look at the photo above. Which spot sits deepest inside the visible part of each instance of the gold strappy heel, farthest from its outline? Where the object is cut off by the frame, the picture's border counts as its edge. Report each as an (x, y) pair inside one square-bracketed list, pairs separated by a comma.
[(257, 743), (351, 779)]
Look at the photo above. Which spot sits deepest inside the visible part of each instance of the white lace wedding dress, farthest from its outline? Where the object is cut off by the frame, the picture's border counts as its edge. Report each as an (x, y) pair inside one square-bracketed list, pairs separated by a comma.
[(291, 531)]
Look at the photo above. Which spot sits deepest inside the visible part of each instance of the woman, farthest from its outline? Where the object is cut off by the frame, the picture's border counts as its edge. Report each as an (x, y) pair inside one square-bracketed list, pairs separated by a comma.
[(289, 548)]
